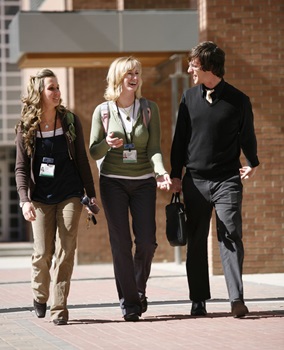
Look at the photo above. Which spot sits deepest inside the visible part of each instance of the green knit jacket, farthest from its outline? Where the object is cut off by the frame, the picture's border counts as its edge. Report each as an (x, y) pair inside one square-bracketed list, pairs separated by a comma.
[(146, 140)]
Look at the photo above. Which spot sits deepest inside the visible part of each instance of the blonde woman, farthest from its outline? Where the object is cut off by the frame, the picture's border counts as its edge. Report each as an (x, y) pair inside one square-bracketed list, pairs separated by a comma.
[(131, 171)]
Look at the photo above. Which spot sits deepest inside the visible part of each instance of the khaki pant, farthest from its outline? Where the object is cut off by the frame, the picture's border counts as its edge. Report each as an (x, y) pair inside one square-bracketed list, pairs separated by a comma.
[(55, 234)]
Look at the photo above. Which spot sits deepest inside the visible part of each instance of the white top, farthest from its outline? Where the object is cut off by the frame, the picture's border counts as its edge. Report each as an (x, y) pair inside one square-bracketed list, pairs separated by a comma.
[(129, 115)]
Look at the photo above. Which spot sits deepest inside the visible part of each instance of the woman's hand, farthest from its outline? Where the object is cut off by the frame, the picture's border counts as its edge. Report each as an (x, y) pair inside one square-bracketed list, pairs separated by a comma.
[(164, 182), (113, 142), (28, 211), (94, 202), (92, 206)]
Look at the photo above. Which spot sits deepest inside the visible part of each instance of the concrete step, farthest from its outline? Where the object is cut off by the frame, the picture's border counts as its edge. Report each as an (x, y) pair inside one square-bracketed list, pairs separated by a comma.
[(16, 249)]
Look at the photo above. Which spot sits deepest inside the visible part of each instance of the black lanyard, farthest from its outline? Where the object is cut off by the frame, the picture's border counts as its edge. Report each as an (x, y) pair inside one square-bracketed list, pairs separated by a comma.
[(42, 143), (125, 134)]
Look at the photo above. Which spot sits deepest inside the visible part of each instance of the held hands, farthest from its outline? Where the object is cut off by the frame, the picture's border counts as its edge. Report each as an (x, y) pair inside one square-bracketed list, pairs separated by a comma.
[(164, 182), (112, 141), (246, 172), (28, 211)]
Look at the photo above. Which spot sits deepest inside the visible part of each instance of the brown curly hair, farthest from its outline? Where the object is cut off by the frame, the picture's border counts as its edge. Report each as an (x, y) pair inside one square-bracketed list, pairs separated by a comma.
[(31, 110)]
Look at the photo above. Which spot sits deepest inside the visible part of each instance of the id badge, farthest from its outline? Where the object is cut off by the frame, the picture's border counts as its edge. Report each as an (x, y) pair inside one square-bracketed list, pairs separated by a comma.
[(130, 156), (47, 170)]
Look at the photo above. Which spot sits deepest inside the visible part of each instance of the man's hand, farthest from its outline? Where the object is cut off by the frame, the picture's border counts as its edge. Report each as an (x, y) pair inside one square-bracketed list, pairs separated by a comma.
[(247, 172), (176, 185)]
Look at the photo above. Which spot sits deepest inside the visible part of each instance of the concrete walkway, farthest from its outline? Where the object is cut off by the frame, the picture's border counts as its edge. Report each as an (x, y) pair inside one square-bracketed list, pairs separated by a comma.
[(96, 321)]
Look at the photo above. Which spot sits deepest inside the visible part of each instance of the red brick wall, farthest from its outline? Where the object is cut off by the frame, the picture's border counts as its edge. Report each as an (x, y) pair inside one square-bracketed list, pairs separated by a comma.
[(134, 4), (93, 244), (94, 5), (250, 33), (160, 4)]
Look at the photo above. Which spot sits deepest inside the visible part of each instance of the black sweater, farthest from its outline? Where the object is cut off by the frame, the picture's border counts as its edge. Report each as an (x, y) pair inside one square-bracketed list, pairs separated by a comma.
[(209, 137)]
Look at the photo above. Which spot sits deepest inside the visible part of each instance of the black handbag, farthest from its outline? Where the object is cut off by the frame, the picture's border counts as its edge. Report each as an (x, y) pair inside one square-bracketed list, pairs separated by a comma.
[(176, 222)]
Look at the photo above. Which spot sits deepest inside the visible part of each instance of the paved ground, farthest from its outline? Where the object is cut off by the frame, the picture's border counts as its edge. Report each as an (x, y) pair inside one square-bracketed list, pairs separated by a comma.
[(96, 321)]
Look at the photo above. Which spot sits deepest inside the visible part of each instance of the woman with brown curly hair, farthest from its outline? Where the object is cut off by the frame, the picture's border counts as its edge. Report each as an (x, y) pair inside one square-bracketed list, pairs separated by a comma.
[(52, 174)]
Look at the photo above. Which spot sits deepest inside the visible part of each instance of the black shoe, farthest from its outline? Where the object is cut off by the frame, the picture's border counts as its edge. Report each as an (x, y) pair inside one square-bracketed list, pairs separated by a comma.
[(144, 303), (40, 309), (131, 317), (198, 308), (60, 322), (238, 308)]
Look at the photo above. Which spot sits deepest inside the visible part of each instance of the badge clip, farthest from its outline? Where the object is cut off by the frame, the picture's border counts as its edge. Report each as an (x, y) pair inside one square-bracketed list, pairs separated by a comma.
[(129, 146)]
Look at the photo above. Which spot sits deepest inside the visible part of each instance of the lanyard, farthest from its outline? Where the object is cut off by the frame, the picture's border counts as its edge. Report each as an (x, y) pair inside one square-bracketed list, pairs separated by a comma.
[(43, 145), (125, 134)]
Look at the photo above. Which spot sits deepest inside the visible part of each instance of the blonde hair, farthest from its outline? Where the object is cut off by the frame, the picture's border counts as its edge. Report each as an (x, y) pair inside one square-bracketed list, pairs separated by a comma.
[(116, 74), (32, 111)]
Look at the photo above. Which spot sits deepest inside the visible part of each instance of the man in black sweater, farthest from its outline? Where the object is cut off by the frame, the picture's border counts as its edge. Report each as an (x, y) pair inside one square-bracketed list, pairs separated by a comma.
[(210, 133)]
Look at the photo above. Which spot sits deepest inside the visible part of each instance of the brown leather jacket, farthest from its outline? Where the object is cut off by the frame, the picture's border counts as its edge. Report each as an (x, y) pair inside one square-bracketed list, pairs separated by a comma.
[(24, 164)]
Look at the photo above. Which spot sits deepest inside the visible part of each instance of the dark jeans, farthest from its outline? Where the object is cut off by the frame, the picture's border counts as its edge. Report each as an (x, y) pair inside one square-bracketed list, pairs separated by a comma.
[(200, 197), (131, 269)]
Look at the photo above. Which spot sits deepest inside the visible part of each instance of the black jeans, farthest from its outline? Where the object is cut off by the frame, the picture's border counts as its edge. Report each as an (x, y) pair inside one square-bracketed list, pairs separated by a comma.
[(200, 197), (131, 272)]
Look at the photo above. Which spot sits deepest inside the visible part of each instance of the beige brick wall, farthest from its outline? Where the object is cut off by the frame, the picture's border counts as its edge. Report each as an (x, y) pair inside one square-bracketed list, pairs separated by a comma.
[(250, 34)]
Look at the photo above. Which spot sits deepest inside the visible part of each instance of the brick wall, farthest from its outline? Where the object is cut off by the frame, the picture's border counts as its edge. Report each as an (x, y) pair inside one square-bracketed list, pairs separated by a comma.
[(160, 4), (250, 34), (94, 5), (93, 244), (134, 4)]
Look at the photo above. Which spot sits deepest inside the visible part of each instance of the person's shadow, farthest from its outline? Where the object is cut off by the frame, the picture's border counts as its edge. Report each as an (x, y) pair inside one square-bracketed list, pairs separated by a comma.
[(178, 317), (253, 315)]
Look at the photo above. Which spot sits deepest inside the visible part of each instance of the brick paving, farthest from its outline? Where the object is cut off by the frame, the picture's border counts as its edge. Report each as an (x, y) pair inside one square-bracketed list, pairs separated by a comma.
[(96, 322)]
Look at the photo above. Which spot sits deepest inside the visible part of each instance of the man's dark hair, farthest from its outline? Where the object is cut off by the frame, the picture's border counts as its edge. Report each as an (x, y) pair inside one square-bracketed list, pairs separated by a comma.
[(210, 56)]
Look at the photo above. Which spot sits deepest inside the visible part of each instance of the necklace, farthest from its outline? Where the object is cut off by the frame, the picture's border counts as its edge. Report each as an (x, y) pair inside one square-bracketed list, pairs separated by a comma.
[(127, 111), (47, 123)]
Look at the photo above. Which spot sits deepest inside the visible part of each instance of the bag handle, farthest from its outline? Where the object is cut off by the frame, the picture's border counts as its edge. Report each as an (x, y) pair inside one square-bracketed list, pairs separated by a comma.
[(175, 198)]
